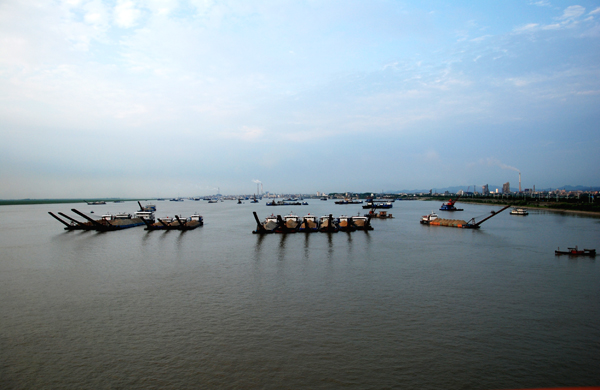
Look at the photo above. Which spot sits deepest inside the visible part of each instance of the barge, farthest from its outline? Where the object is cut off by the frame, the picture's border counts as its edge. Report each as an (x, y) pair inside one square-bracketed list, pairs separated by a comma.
[(433, 220), (450, 205)]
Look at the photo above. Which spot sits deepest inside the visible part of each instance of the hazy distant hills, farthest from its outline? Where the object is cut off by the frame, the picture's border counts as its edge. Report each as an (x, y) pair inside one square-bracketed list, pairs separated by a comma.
[(492, 188)]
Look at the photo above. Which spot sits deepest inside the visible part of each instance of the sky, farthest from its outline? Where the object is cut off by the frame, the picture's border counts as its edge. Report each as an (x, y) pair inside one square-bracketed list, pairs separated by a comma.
[(164, 98)]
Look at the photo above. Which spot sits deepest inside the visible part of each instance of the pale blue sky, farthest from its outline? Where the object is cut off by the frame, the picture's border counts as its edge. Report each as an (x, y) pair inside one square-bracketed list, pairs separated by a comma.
[(165, 97)]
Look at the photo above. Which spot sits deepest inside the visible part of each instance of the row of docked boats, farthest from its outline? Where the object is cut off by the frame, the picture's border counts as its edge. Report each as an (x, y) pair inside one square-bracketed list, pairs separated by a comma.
[(120, 221), (310, 223), (144, 216)]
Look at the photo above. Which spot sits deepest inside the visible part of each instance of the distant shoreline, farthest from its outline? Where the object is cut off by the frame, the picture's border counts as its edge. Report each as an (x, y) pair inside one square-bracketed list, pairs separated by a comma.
[(16, 202), (584, 212)]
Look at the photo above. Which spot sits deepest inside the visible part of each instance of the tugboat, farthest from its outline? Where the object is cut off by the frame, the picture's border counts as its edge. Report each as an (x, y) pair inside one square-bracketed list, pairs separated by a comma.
[(450, 205), (576, 252)]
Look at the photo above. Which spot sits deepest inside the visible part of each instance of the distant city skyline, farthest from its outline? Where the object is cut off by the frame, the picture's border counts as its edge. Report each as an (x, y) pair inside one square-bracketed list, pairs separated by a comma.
[(128, 98)]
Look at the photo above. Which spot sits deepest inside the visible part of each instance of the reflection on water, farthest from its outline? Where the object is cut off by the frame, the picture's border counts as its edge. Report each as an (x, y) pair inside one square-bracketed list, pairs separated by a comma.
[(404, 305)]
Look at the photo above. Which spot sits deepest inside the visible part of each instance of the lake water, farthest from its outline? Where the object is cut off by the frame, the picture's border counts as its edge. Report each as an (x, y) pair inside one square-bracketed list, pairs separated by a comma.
[(404, 306)]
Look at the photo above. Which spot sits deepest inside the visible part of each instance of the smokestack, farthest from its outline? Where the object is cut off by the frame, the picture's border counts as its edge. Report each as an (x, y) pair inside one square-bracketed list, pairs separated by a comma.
[(519, 181)]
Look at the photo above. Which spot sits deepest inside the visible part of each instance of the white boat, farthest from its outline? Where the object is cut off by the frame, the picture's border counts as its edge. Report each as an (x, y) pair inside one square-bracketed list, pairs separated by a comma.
[(426, 219), (519, 211)]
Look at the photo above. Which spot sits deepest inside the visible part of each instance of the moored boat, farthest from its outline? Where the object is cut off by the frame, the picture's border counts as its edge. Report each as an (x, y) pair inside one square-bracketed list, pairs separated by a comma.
[(328, 224), (176, 223), (310, 223), (267, 226), (110, 222), (291, 224), (346, 224), (362, 223)]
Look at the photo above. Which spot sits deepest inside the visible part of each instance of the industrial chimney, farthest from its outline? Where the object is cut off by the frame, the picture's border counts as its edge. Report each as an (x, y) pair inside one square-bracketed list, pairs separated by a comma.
[(519, 181)]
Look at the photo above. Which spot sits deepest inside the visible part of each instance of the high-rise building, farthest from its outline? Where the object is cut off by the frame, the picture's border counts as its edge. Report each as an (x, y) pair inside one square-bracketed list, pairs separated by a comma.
[(485, 189), (506, 188)]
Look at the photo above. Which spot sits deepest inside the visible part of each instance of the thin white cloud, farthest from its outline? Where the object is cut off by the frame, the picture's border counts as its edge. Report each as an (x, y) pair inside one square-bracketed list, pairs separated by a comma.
[(572, 12), (596, 11), (526, 28), (541, 3), (126, 14)]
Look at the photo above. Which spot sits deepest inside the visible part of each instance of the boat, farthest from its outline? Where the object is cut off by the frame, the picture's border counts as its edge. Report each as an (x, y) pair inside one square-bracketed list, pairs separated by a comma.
[(519, 211), (348, 201), (328, 224), (176, 200), (427, 219), (576, 252), (362, 223), (291, 224), (433, 220), (254, 200), (239, 201), (378, 205), (267, 226), (148, 207), (120, 221), (284, 203), (212, 201), (380, 215), (94, 203), (346, 224), (323, 198), (450, 205), (177, 223), (72, 224), (310, 223)]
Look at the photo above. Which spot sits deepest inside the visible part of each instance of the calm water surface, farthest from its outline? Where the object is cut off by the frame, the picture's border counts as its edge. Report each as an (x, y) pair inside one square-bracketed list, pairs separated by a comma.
[(403, 306)]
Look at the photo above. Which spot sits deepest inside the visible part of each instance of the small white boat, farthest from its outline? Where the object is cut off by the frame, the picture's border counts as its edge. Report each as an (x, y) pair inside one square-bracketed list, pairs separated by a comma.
[(519, 211), (426, 219)]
